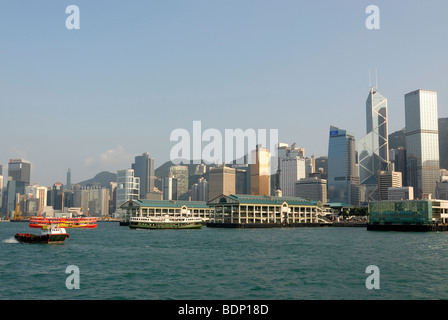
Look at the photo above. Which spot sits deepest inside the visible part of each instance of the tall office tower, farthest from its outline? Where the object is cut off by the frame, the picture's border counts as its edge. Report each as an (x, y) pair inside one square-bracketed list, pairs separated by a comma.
[(1, 189), (313, 164), (291, 170), (113, 197), (242, 180), (386, 180), (19, 170), (13, 190), (144, 169), (200, 190), (284, 151), (422, 141), (181, 174), (260, 179), (373, 148), (55, 196), (221, 181), (169, 187), (203, 189), (128, 187), (343, 180), (69, 180), (398, 158)]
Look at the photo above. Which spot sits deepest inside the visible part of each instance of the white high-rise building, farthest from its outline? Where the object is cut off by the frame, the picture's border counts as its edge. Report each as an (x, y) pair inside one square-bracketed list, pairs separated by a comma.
[(169, 187), (291, 170), (128, 187)]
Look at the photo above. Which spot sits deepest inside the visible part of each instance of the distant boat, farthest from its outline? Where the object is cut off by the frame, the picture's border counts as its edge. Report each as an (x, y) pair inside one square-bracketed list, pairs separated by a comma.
[(165, 223), (81, 222), (49, 234)]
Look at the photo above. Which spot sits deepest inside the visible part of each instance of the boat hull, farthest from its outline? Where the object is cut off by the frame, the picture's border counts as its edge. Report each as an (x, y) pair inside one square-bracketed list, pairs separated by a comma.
[(47, 238), (169, 225)]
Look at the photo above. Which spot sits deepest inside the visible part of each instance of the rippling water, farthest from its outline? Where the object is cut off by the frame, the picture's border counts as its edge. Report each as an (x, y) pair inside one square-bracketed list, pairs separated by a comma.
[(282, 264)]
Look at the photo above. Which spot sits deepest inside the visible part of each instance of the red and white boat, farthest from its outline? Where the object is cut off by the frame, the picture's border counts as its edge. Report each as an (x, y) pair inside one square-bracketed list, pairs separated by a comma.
[(50, 234), (80, 222)]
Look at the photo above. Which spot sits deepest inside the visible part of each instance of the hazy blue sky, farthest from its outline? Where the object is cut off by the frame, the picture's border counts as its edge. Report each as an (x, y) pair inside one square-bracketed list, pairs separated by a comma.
[(92, 99)]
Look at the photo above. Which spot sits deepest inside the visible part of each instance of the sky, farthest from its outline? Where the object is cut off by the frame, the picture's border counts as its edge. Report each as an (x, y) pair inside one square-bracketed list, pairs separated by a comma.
[(91, 99)]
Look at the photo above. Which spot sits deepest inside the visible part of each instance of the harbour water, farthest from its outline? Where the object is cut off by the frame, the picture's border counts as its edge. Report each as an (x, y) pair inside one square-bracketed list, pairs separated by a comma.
[(117, 263)]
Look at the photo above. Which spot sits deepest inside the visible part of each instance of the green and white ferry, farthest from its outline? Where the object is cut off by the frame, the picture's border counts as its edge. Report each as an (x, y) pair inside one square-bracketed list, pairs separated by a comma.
[(165, 223)]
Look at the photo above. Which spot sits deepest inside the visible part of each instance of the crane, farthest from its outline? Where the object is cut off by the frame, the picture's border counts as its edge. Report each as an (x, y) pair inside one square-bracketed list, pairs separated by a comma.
[(17, 215)]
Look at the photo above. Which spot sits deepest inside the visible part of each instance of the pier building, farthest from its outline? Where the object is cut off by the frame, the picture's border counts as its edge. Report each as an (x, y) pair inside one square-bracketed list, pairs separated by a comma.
[(408, 215), (161, 208), (252, 211)]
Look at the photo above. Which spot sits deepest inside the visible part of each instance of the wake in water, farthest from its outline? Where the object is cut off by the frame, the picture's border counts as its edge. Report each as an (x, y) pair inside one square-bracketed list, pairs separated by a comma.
[(10, 240)]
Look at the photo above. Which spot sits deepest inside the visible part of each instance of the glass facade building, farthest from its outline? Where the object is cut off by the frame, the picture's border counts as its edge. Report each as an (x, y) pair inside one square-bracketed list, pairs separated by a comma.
[(144, 169), (19, 170), (374, 147), (399, 212), (408, 212), (422, 141), (343, 180)]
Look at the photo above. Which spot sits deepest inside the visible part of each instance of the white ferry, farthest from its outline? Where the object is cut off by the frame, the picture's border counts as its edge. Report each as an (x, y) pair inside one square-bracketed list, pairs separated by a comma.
[(165, 223)]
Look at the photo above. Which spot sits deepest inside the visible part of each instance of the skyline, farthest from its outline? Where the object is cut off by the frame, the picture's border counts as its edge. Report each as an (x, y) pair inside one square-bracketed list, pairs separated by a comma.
[(92, 99)]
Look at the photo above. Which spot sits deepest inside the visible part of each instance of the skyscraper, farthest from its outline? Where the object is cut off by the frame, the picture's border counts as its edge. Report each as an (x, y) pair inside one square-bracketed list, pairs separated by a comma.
[(69, 179), (343, 180), (398, 158), (422, 141), (144, 169), (181, 174), (19, 170), (169, 186), (291, 170), (128, 187), (221, 181), (374, 147), (200, 190), (260, 172)]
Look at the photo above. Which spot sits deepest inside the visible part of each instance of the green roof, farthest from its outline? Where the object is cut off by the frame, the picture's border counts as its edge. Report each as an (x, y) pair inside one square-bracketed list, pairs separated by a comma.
[(270, 200), (339, 205), (170, 203)]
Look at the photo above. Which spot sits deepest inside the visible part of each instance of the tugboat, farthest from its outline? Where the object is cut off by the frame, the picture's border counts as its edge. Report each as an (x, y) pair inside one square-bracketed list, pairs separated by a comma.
[(50, 234)]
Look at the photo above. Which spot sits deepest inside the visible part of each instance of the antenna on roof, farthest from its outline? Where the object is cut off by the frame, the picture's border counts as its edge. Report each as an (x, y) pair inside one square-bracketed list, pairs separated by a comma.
[(375, 87), (376, 78)]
